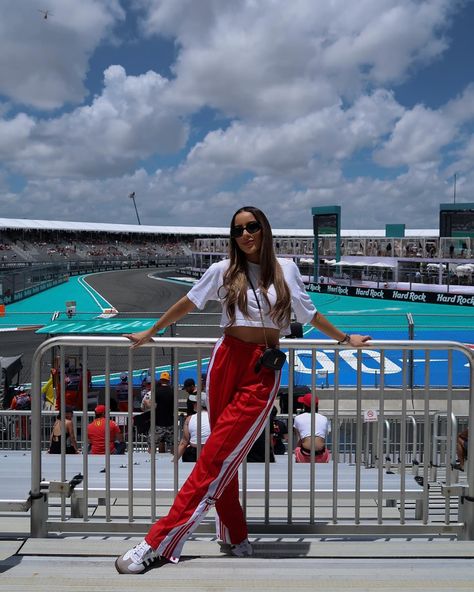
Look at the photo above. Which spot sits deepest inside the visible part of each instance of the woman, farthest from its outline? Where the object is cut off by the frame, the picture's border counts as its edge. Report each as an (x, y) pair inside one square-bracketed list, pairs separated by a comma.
[(187, 448), (302, 425), (257, 292), (55, 440)]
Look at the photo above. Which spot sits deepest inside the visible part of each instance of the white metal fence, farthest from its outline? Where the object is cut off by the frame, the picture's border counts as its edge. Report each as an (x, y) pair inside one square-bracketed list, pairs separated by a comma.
[(377, 481)]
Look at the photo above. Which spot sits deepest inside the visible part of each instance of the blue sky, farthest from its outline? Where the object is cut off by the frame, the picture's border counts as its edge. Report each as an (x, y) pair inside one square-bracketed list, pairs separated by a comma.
[(201, 107)]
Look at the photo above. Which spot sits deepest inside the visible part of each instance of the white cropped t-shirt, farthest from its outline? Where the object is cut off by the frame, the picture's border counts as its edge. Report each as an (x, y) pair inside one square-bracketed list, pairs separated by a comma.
[(302, 423), (209, 287)]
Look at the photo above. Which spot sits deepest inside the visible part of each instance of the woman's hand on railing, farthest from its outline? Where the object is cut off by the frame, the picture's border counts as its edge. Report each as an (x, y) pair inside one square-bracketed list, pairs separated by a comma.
[(140, 338), (356, 340)]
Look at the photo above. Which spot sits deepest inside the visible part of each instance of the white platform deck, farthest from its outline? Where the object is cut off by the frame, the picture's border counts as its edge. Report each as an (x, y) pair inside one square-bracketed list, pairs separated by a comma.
[(15, 475)]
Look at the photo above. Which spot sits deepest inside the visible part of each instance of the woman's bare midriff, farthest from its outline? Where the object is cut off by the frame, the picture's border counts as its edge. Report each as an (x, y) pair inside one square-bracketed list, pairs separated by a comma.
[(254, 335)]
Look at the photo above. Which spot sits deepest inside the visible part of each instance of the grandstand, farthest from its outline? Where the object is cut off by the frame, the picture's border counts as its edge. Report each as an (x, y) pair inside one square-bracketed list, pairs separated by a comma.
[(419, 260)]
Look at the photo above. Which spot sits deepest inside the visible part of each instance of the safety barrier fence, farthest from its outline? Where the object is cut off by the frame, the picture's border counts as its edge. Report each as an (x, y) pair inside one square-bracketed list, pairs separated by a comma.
[(345, 496)]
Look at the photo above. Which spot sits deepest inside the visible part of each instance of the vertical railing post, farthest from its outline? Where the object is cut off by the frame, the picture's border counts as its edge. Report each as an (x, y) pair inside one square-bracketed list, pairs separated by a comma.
[(411, 365), (468, 500), (435, 440), (39, 508)]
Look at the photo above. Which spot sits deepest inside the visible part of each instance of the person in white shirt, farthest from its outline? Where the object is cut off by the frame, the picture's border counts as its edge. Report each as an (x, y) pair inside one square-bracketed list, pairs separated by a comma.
[(257, 292), (187, 448), (302, 425)]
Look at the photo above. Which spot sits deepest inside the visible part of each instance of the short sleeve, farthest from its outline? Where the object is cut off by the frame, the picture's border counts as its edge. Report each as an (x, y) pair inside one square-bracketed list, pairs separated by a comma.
[(297, 423), (301, 303), (207, 287)]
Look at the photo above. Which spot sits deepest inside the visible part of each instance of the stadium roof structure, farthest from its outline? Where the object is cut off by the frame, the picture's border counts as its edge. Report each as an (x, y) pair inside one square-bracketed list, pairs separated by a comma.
[(64, 225)]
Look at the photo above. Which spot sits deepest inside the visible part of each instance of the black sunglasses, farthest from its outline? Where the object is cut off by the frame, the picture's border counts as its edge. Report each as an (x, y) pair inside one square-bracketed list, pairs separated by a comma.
[(251, 228)]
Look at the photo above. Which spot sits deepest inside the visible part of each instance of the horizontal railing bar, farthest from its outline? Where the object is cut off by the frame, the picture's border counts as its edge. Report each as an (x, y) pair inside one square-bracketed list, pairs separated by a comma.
[(294, 344), (273, 528)]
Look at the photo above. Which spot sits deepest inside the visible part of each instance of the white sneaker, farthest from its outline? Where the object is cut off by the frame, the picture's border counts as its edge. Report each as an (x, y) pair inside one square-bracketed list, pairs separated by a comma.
[(243, 549), (135, 560)]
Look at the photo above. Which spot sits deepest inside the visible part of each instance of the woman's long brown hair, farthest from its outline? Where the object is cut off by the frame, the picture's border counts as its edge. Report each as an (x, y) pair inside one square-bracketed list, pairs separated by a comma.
[(235, 281)]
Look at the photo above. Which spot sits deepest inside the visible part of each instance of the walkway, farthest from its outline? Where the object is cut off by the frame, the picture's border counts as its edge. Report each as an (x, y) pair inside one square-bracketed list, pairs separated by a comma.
[(80, 564)]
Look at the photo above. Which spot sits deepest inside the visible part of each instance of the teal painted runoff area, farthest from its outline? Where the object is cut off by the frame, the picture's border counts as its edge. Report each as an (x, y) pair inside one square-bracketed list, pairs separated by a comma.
[(352, 313), (98, 327), (38, 309), (363, 314)]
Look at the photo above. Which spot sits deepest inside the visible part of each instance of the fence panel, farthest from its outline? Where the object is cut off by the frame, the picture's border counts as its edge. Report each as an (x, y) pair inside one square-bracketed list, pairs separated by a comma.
[(368, 487)]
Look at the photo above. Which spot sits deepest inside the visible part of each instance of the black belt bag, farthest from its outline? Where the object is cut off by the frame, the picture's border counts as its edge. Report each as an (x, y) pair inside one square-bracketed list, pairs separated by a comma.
[(272, 358)]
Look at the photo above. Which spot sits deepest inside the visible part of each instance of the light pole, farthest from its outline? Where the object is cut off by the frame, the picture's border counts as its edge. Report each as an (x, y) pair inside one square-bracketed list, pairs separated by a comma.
[(132, 197)]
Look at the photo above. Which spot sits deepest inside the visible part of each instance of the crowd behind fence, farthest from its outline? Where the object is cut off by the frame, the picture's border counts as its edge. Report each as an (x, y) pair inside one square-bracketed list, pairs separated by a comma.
[(15, 434)]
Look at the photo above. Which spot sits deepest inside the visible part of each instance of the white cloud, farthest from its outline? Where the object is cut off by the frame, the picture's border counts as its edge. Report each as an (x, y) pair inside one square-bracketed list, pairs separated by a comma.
[(164, 198), (331, 133), (43, 63), (304, 87), (383, 39), (14, 134), (461, 109), (274, 61), (123, 125), (417, 137)]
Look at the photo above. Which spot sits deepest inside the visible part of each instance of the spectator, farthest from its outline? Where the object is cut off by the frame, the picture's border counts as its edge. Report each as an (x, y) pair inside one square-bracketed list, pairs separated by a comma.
[(55, 439), (190, 387), (257, 452), (73, 397), (96, 434), (48, 393), (279, 431), (461, 449), (164, 405), (121, 392), (139, 402), (187, 448), (21, 402), (302, 425), (73, 381)]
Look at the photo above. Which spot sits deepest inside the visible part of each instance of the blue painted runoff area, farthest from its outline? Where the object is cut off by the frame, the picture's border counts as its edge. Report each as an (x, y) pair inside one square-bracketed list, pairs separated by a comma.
[(382, 320)]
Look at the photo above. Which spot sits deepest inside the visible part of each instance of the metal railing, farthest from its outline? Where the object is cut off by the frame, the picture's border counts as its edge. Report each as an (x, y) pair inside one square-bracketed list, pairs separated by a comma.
[(15, 429), (15, 435), (288, 498)]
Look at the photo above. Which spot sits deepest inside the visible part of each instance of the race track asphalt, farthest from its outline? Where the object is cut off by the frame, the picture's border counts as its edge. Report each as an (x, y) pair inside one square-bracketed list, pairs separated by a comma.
[(134, 294)]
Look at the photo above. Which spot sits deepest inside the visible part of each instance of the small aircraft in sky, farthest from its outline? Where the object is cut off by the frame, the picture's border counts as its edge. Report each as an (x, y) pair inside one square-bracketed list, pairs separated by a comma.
[(45, 13)]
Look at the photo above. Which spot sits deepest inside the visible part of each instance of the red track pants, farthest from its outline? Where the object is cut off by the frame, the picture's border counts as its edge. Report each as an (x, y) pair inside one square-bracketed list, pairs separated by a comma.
[(239, 403)]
